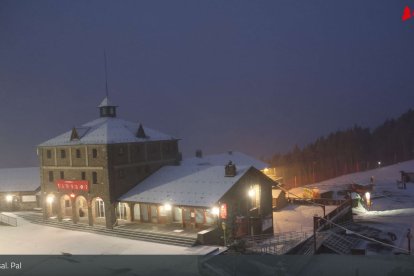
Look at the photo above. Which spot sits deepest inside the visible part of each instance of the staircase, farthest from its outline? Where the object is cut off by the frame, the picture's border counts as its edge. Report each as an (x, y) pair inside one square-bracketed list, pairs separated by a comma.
[(116, 232), (340, 244)]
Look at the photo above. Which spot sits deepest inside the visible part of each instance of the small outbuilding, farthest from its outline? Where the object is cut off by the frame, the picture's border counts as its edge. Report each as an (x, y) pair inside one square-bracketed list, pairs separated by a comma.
[(237, 199), (278, 199), (19, 189)]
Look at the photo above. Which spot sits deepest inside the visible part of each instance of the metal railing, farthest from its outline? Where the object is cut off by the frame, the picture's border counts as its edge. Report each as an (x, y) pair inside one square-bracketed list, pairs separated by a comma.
[(334, 214), (8, 220), (275, 243)]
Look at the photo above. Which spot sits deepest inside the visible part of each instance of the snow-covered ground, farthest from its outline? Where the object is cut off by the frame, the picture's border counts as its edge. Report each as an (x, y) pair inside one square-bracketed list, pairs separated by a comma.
[(297, 217), (28, 238), (392, 208)]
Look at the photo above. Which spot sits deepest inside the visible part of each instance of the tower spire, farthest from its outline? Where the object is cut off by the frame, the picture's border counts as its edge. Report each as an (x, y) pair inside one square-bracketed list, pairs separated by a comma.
[(106, 76), (106, 108)]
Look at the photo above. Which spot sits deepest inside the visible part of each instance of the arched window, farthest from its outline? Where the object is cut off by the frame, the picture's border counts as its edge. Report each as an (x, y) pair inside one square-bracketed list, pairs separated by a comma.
[(100, 208)]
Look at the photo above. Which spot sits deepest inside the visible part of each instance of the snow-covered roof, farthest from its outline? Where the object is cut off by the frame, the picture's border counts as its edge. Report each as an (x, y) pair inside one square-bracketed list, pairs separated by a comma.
[(19, 179), (107, 130), (185, 185), (105, 102), (222, 159)]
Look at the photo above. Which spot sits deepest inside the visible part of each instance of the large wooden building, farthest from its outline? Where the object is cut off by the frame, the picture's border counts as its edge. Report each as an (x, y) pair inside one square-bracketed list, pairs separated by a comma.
[(111, 171)]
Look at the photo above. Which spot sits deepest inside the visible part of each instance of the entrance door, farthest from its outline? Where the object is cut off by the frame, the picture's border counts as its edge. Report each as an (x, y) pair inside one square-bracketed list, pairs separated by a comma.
[(154, 213), (177, 214), (188, 217), (137, 212)]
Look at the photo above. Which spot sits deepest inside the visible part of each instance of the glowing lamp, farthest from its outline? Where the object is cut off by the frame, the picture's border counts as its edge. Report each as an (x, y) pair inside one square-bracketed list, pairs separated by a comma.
[(368, 196), (251, 192), (72, 195), (215, 211), (9, 198), (167, 207), (49, 199)]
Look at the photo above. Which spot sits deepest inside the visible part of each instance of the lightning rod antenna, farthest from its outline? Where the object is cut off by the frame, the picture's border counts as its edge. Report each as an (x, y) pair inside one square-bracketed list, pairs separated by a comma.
[(106, 76)]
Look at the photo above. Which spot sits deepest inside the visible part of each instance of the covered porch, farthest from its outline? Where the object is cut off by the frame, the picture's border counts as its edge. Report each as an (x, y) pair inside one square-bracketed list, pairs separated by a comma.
[(165, 217)]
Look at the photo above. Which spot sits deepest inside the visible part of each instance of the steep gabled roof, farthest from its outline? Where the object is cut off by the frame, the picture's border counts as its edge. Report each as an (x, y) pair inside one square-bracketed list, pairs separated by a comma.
[(107, 130)]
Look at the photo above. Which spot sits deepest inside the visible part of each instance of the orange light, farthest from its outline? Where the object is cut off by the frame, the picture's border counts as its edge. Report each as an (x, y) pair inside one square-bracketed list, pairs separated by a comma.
[(72, 195)]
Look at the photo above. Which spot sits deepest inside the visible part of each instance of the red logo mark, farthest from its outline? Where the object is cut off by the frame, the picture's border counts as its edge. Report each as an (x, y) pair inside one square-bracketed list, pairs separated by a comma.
[(406, 13)]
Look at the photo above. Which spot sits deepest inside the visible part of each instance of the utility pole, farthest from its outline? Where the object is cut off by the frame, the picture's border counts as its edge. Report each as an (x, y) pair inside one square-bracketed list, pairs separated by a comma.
[(409, 236)]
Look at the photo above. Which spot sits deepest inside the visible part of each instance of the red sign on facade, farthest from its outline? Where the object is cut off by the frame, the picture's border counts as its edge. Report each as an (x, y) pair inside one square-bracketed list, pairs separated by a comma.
[(223, 211), (75, 185)]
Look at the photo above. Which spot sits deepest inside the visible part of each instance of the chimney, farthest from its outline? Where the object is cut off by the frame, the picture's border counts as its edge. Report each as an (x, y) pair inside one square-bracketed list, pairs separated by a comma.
[(199, 154), (230, 170)]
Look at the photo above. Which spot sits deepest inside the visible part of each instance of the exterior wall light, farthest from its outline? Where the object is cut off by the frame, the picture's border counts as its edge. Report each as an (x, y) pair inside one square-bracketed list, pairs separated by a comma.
[(251, 192), (167, 207), (9, 198), (50, 199), (215, 211)]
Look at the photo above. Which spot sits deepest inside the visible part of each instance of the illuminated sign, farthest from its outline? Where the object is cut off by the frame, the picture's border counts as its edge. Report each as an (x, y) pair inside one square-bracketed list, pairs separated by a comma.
[(75, 185), (223, 211)]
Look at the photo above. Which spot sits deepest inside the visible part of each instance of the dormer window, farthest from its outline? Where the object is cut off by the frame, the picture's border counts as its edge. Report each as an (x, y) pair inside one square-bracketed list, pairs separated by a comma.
[(74, 135)]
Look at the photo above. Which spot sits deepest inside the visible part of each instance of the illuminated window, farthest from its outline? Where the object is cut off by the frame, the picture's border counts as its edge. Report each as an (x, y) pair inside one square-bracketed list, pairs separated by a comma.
[(199, 215), (210, 218), (255, 198), (121, 211), (163, 212), (100, 208)]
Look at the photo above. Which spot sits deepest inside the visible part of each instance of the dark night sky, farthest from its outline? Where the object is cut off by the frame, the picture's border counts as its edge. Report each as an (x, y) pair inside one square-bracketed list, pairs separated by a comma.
[(254, 76)]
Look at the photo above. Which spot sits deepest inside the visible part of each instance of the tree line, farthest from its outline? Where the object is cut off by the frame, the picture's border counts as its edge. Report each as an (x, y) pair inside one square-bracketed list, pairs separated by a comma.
[(347, 151)]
